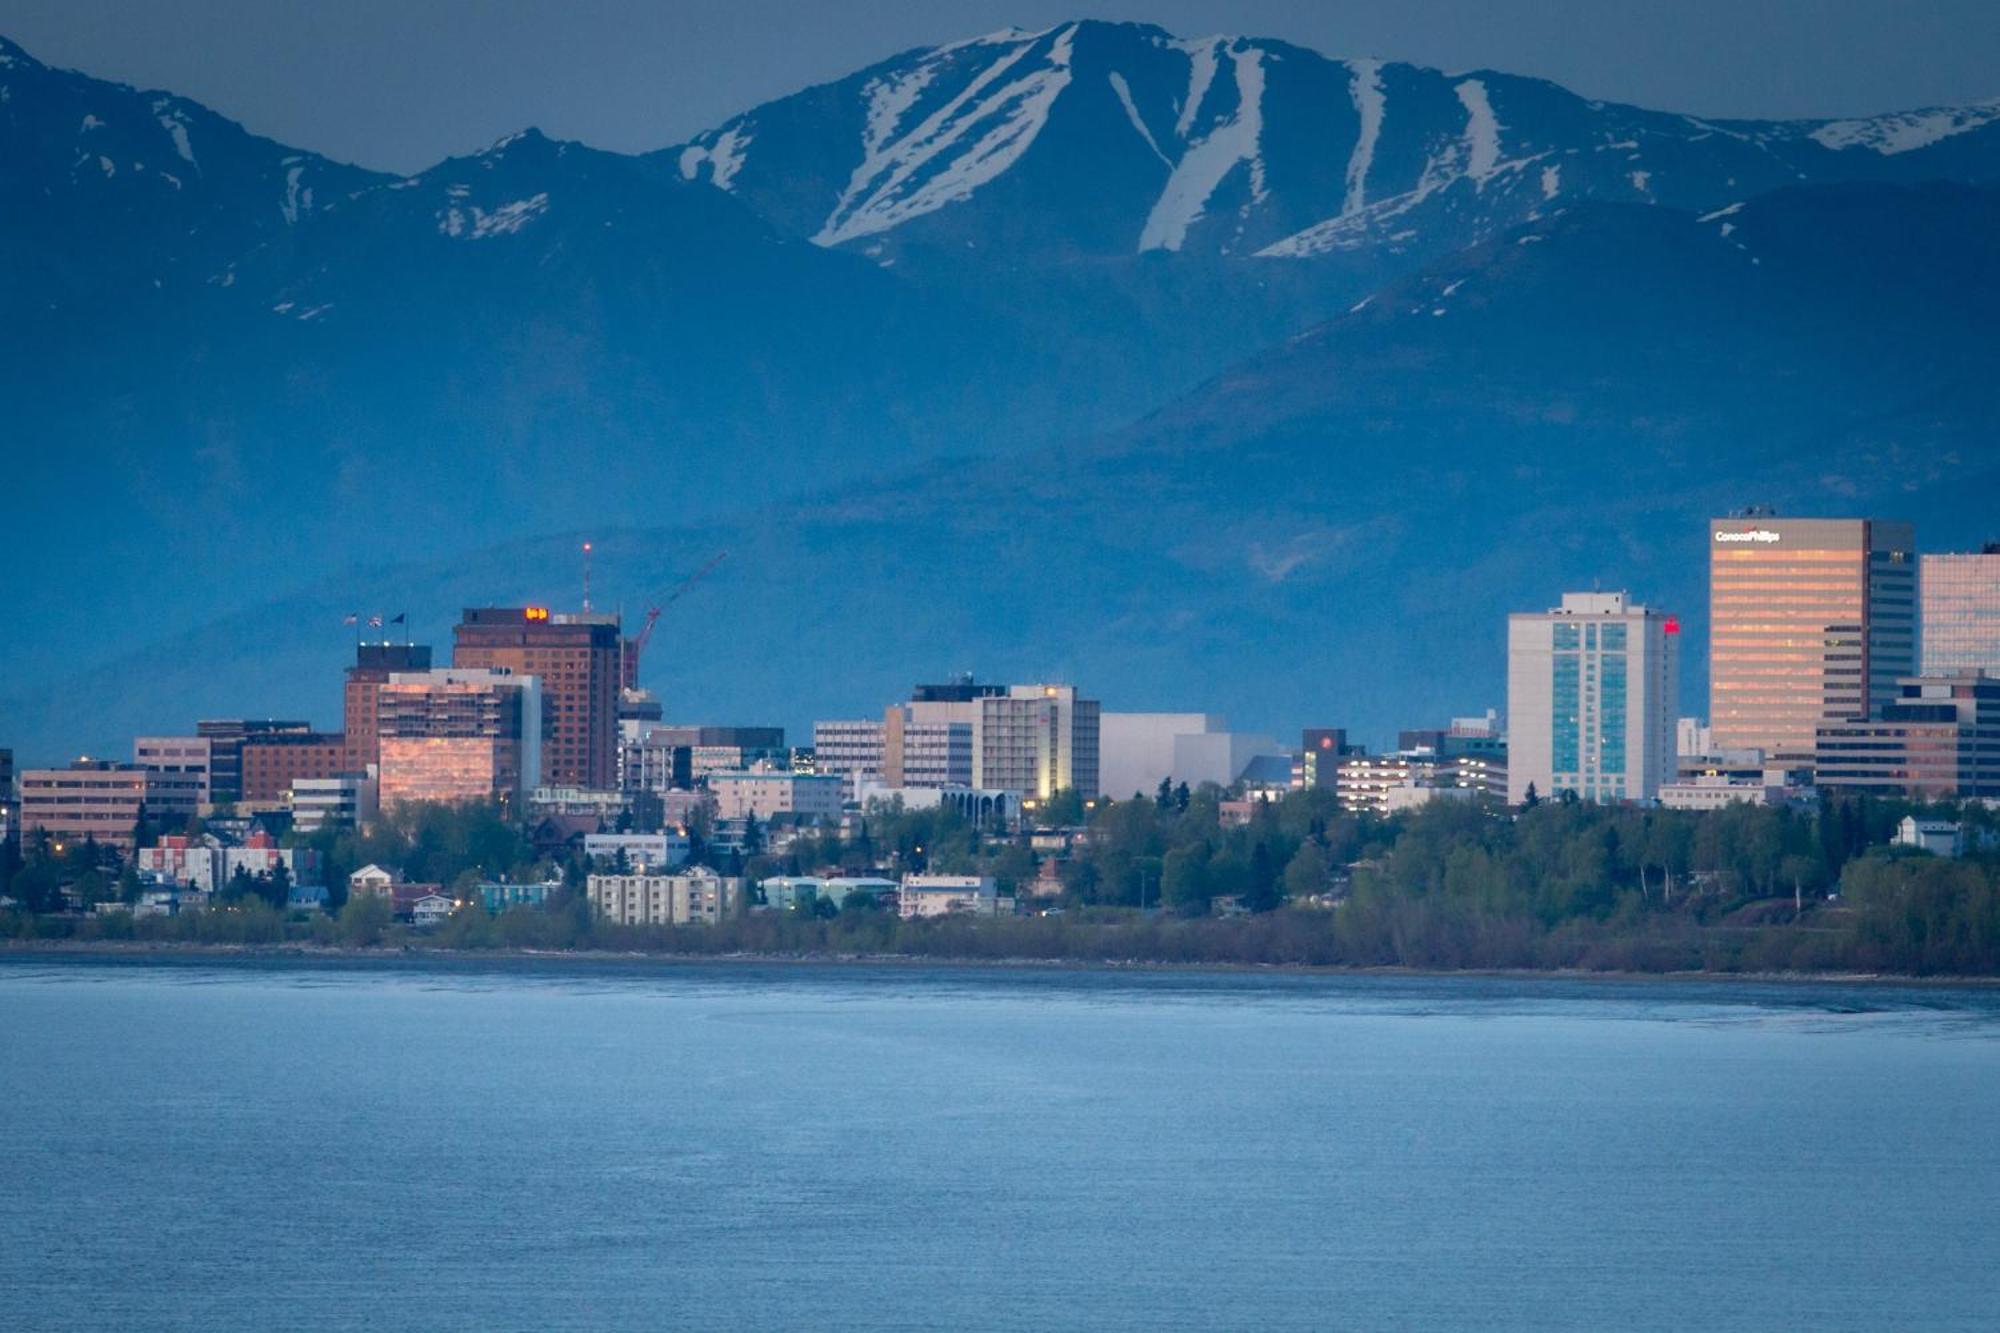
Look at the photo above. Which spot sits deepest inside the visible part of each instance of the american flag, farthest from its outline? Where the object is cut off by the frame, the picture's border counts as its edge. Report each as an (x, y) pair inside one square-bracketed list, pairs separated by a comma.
[(351, 618), (375, 622)]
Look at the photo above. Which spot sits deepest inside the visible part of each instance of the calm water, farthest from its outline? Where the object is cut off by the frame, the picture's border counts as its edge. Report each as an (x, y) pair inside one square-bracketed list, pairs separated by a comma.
[(291, 1147)]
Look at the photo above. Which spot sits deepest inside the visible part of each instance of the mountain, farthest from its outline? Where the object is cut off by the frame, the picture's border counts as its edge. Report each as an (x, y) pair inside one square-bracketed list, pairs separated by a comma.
[(1092, 141), (897, 326), (1332, 532)]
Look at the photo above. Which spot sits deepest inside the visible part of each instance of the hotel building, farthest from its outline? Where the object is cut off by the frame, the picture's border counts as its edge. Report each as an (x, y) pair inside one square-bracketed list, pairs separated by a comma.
[(460, 735), (576, 658), (1591, 692), (1810, 619), (1960, 596), (374, 663)]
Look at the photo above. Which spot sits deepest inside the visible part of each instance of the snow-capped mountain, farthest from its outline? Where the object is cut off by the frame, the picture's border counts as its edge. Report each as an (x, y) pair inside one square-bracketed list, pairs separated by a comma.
[(1097, 139), (115, 190), (1323, 287)]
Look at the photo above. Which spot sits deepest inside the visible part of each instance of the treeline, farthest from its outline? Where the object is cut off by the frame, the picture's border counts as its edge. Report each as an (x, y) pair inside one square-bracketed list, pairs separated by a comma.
[(1558, 885)]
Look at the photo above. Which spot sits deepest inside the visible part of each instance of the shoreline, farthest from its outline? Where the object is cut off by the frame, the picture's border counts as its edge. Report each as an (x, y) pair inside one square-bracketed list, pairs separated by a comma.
[(169, 952)]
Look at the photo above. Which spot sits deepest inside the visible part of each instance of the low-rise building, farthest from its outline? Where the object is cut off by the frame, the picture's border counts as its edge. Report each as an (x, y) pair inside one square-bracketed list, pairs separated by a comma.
[(1939, 738), (642, 851), (698, 896), (432, 909), (346, 800), (260, 856), (498, 897), (951, 895), (1939, 837), (194, 863)]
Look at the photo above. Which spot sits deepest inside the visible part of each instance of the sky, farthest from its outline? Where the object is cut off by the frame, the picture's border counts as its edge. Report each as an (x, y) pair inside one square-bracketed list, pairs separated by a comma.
[(400, 84)]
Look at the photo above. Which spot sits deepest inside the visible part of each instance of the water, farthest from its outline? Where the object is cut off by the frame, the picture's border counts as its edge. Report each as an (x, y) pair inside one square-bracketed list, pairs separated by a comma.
[(253, 1147)]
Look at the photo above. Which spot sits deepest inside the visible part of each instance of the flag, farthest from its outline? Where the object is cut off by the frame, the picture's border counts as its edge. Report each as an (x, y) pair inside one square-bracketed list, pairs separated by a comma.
[(351, 619), (374, 622), (401, 618)]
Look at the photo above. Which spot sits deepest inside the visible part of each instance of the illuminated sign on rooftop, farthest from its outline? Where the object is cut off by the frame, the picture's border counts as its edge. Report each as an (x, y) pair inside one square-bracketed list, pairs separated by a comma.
[(1761, 535)]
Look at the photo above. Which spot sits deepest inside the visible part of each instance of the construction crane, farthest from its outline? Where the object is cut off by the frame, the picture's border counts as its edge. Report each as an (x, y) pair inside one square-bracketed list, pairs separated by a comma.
[(635, 646)]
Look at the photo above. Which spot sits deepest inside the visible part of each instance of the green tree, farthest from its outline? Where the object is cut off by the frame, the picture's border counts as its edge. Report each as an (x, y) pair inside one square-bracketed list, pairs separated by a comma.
[(1306, 875)]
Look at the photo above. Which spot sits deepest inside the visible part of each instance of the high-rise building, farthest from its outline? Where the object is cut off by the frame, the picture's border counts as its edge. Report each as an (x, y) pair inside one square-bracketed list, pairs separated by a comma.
[(271, 763), (225, 756), (10, 809), (1960, 596), (1038, 740), (1810, 619), (1321, 752), (455, 734), (1591, 690), (374, 663), (849, 748), (102, 799), (1031, 739), (191, 755), (576, 658), (1939, 738)]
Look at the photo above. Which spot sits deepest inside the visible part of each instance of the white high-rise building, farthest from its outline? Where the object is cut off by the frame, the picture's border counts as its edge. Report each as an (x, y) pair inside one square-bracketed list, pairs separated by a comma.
[(1591, 693)]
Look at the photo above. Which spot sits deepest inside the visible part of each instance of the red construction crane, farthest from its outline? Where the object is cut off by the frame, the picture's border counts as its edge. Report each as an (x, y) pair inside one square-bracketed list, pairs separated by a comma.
[(636, 645)]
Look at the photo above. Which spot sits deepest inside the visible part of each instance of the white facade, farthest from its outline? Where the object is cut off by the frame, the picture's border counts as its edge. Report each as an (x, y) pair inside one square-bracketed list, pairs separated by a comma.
[(347, 801), (1136, 750), (651, 851), (699, 897), (1591, 689), (176, 860), (950, 895), (1937, 836), (1708, 791)]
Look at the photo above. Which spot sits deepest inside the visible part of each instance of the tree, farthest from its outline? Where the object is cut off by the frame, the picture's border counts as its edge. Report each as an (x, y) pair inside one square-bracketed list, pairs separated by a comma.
[(364, 919), (1262, 895), (1164, 797), (1184, 879), (1307, 873)]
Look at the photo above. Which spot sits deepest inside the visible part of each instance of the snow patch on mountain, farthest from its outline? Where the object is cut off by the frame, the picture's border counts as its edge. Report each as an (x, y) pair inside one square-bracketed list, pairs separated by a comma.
[(475, 223), (174, 121), (298, 197), (90, 123), (1208, 161), (1904, 132), (1482, 131), (1365, 85), (1202, 62), (725, 155), (932, 165), (1124, 91)]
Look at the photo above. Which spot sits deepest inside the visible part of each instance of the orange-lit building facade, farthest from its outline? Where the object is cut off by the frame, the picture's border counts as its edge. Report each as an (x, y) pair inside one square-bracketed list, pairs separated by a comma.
[(459, 735), (374, 663), (1810, 619), (577, 659)]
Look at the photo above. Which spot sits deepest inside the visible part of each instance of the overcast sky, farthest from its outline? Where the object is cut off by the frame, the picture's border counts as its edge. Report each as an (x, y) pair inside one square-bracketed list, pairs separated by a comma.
[(398, 84)]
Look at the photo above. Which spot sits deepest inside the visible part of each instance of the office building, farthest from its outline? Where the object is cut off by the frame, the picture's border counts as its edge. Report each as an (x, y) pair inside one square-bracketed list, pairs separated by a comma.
[(454, 734), (1137, 751), (1322, 750), (849, 748), (10, 805), (576, 658), (345, 800), (188, 756), (768, 794), (662, 757), (1960, 597), (1591, 690), (1038, 740), (698, 897), (271, 763), (374, 663), (225, 755), (104, 800), (1810, 619), (1939, 738)]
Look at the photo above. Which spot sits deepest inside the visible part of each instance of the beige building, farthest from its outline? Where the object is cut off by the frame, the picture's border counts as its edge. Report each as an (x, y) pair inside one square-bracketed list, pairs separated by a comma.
[(97, 798), (459, 735), (774, 792), (1591, 690), (1810, 619), (697, 896)]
